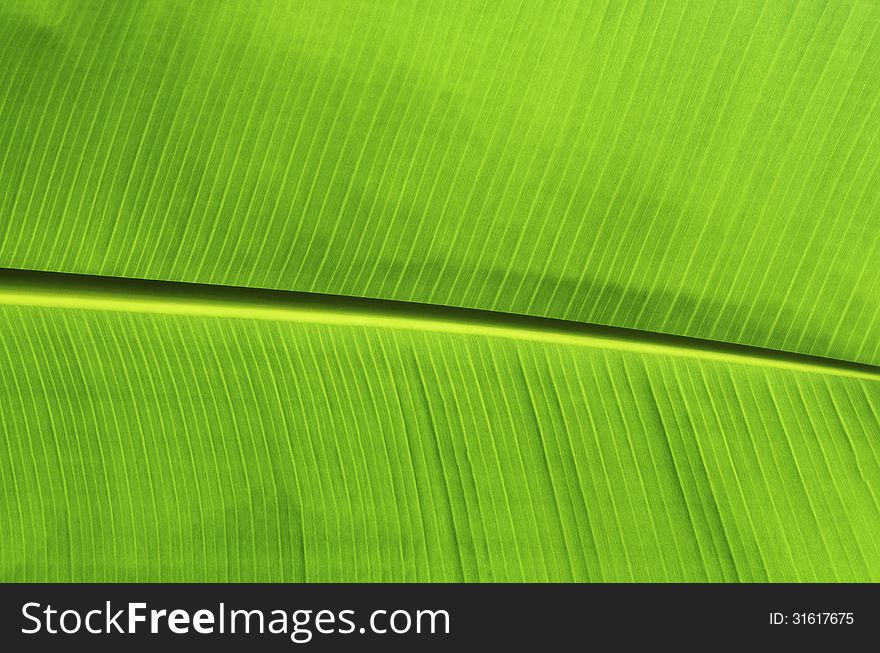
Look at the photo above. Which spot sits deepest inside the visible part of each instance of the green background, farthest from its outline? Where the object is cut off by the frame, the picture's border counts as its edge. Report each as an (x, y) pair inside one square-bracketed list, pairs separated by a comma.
[(700, 168)]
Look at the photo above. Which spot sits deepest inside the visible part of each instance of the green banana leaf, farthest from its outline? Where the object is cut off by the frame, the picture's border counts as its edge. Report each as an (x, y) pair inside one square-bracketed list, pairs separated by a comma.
[(658, 221)]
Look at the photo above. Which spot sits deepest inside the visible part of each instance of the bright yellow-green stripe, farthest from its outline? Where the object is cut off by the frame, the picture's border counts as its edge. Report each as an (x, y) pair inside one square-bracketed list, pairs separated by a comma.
[(358, 315)]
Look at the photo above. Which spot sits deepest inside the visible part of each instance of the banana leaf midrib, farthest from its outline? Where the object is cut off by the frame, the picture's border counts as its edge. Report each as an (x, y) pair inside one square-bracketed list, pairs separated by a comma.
[(117, 294)]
